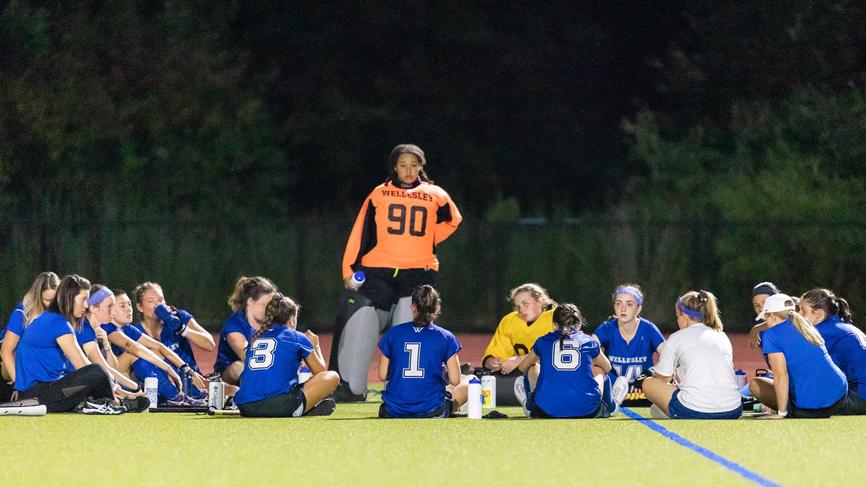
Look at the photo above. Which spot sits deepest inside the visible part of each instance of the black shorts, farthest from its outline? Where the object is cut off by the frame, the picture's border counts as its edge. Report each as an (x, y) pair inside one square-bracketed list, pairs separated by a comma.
[(443, 411), (279, 406), (536, 412), (385, 286), (795, 411)]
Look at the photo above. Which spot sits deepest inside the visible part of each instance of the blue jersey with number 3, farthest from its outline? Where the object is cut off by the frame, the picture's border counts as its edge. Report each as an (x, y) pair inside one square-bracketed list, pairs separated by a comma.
[(566, 387), (630, 359), (271, 365), (417, 358)]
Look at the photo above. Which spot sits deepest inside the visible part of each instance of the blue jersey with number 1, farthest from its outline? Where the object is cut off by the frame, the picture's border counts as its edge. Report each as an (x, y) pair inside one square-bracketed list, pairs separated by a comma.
[(635, 357), (566, 387), (271, 364), (417, 358)]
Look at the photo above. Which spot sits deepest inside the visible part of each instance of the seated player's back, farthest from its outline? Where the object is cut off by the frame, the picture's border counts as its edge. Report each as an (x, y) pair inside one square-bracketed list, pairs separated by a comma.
[(566, 386), (272, 363), (417, 360)]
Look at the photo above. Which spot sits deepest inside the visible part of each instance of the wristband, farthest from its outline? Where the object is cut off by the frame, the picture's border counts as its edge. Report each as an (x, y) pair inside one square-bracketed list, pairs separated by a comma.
[(185, 366), (184, 330), (782, 413)]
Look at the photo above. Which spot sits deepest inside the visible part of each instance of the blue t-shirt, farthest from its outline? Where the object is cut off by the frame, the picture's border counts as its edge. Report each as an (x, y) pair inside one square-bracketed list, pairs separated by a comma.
[(132, 332), (846, 345), (417, 358), (815, 381), (38, 357), (176, 343), (15, 323), (635, 357), (236, 323), (566, 386), (271, 364)]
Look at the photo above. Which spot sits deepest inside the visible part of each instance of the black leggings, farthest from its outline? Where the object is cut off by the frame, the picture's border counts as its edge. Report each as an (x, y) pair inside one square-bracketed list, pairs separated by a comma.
[(67, 392)]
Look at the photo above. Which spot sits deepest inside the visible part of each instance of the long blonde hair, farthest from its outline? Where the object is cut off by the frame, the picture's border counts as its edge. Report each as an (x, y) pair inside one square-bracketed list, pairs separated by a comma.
[(809, 332), (33, 299), (703, 303)]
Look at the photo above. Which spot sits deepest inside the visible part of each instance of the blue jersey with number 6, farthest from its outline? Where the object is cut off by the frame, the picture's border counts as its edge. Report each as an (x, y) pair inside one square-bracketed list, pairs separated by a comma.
[(271, 365), (566, 387), (631, 359), (417, 357)]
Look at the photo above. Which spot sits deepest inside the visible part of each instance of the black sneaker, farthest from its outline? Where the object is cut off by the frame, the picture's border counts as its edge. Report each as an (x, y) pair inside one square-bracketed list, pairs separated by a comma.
[(135, 404), (324, 408), (345, 394), (100, 406)]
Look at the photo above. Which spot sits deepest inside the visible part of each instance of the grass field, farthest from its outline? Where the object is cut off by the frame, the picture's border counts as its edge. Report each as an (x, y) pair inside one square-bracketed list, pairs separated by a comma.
[(353, 448)]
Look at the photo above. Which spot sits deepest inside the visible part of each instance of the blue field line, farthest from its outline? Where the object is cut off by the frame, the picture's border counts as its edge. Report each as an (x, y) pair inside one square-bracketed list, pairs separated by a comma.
[(732, 466)]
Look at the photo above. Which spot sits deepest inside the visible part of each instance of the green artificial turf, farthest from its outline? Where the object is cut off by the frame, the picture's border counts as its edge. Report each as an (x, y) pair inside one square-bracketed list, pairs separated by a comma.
[(353, 448)]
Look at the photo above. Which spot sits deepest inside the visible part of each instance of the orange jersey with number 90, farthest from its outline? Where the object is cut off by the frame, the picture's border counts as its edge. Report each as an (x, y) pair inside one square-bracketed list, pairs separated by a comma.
[(400, 228)]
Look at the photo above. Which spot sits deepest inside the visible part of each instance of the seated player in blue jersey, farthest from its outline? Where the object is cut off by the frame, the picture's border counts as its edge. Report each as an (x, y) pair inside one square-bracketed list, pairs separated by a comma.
[(269, 383), (130, 345), (629, 340), (248, 301), (176, 329), (566, 373), (700, 359), (845, 343), (420, 364), (36, 300), (806, 383), (760, 292), (44, 349)]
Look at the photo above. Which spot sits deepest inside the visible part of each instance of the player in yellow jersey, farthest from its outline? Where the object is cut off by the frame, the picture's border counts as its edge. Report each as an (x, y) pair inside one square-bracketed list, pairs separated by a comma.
[(394, 242), (514, 337)]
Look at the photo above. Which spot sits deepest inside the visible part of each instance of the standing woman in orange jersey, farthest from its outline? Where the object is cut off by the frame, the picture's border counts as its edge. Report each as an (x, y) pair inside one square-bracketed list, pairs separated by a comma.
[(393, 242)]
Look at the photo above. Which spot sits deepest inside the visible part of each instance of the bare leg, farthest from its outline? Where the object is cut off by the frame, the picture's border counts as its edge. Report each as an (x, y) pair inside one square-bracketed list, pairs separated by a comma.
[(659, 393), (124, 362), (764, 391), (459, 394), (319, 387), (232, 373), (532, 374)]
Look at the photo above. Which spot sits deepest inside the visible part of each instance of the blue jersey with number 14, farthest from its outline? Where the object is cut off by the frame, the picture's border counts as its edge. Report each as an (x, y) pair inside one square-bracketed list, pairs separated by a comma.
[(271, 364), (630, 359), (417, 357)]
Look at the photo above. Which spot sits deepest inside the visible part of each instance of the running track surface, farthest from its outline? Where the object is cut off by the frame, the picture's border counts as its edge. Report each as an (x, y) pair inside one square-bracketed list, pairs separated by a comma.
[(473, 348)]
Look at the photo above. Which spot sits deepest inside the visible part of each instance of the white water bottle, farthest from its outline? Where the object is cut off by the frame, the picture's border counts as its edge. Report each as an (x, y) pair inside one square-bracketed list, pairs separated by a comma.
[(304, 374), (357, 280), (474, 398), (488, 391), (151, 386)]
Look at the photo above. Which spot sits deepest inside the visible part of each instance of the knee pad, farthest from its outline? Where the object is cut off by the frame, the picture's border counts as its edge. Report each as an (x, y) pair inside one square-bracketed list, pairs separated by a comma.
[(357, 344), (402, 311), (349, 305)]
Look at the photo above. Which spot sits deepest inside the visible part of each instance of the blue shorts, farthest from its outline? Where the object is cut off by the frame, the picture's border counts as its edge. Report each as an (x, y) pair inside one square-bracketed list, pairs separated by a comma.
[(443, 411), (678, 411)]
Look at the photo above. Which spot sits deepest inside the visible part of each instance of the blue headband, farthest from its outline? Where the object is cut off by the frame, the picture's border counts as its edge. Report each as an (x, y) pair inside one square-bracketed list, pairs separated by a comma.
[(630, 290), (99, 296), (697, 315)]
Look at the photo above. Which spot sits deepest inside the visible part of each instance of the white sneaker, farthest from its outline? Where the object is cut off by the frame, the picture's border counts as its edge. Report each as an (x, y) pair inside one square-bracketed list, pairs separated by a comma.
[(619, 390)]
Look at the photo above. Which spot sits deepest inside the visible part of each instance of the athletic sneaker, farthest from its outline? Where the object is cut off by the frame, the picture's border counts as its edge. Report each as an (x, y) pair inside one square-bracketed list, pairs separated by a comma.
[(135, 404), (183, 400), (520, 394), (100, 406), (619, 390), (344, 394), (324, 408)]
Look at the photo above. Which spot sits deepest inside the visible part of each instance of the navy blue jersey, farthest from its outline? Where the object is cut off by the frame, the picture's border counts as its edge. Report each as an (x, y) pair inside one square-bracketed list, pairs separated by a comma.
[(236, 323), (846, 345), (38, 357), (417, 358), (176, 343), (271, 364), (815, 381), (566, 386), (16, 322), (630, 359)]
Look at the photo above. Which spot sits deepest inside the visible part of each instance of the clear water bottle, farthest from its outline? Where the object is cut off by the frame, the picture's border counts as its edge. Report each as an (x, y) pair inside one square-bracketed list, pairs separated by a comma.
[(357, 280), (151, 387), (216, 393), (304, 374), (474, 398)]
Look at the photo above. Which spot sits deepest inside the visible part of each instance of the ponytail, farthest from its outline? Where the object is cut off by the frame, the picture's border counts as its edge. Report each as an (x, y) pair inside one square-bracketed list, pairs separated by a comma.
[(280, 310), (701, 306), (427, 305), (808, 330), (249, 287), (568, 320), (827, 301)]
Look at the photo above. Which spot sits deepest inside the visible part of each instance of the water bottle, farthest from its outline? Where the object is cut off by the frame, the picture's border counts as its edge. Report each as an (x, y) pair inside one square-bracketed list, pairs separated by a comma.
[(474, 398), (186, 381), (741, 378), (151, 386), (488, 391), (216, 393), (304, 374), (357, 280)]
